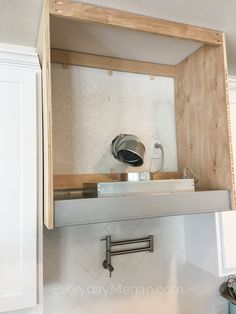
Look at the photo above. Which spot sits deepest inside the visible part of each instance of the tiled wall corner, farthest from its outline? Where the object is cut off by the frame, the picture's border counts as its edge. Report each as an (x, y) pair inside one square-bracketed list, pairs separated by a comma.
[(150, 283)]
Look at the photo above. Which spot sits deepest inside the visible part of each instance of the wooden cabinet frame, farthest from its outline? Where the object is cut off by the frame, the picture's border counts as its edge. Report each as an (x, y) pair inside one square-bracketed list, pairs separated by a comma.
[(202, 109)]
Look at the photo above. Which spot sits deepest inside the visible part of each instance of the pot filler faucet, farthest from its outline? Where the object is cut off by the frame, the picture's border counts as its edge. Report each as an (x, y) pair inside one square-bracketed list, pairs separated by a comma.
[(109, 253)]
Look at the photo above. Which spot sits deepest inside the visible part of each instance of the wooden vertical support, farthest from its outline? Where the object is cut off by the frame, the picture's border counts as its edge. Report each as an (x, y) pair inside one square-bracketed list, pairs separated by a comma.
[(233, 194), (43, 47), (202, 118)]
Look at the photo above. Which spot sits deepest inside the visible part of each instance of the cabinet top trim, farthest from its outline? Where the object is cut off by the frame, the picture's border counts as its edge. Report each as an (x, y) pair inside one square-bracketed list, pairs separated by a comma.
[(17, 56), (95, 14)]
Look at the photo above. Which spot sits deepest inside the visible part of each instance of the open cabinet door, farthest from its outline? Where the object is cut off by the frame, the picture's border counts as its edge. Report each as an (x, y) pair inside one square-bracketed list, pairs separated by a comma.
[(43, 47)]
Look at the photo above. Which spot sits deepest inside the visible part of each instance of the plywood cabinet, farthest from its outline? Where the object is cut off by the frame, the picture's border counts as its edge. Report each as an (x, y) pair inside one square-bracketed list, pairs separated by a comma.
[(76, 34), (210, 242), (45, 59)]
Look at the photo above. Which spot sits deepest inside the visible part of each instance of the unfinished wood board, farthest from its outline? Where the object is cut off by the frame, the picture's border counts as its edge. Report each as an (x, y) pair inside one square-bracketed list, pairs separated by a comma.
[(75, 181), (202, 118), (226, 84), (91, 13), (43, 47), (119, 42), (108, 63)]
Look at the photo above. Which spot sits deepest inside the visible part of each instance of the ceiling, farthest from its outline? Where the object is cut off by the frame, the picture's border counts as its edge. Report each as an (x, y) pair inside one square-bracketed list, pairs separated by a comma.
[(119, 42), (19, 19)]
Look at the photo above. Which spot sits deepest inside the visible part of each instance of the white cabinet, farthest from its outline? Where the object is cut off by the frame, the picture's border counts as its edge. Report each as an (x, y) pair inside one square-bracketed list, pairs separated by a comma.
[(210, 244), (210, 238), (227, 224), (19, 184)]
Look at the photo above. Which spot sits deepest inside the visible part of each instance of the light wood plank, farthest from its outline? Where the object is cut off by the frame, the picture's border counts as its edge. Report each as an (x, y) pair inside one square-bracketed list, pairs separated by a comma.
[(233, 194), (75, 181), (202, 117), (92, 13), (111, 63), (43, 47)]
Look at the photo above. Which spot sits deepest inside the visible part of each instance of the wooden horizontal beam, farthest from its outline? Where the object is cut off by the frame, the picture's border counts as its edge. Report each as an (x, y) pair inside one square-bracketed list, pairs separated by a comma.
[(110, 63), (92, 13), (76, 181)]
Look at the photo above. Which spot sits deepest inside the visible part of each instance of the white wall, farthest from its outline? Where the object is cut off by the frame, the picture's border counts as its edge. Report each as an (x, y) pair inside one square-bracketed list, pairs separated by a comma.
[(90, 108), (73, 256)]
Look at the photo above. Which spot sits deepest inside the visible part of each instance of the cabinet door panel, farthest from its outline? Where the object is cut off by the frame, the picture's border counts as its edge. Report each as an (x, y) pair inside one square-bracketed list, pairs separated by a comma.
[(18, 196), (43, 47), (228, 227)]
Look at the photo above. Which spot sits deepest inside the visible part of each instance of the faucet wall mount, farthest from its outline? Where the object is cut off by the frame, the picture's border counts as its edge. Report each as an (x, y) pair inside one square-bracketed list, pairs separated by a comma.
[(109, 253)]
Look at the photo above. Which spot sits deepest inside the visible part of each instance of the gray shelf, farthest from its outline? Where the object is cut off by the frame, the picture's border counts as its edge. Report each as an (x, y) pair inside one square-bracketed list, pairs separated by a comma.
[(106, 209)]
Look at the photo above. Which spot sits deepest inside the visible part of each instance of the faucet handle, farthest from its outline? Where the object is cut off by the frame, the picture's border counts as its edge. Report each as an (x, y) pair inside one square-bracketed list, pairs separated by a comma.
[(111, 269), (108, 266)]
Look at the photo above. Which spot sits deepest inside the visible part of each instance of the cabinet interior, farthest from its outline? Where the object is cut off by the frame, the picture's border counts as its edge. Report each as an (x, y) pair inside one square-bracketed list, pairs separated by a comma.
[(194, 58)]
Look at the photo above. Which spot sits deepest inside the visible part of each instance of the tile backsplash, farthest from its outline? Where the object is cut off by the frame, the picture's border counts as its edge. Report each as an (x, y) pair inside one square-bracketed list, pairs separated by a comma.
[(153, 283)]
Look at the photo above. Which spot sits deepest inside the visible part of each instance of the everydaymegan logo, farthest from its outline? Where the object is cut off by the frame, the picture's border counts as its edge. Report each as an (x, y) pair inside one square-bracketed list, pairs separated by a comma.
[(133, 291)]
